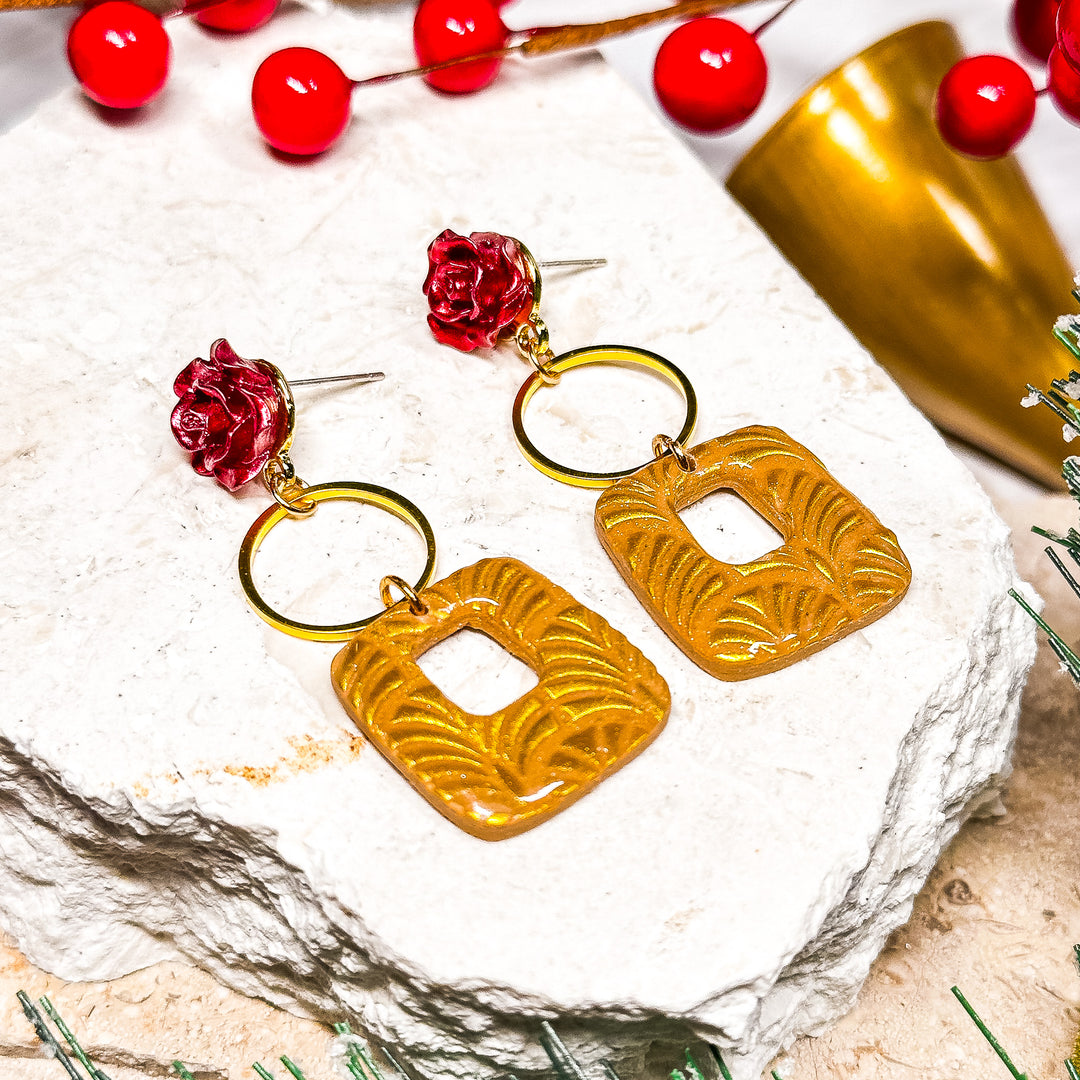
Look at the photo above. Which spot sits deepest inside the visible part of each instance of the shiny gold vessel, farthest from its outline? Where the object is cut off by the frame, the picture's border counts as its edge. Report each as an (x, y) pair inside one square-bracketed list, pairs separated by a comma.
[(944, 267)]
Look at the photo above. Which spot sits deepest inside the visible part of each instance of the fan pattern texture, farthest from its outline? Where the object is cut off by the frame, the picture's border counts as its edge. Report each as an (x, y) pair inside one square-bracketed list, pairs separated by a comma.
[(598, 702), (838, 569)]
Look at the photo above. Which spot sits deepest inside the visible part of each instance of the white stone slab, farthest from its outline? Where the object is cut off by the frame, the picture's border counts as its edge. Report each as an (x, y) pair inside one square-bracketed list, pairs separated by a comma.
[(178, 778)]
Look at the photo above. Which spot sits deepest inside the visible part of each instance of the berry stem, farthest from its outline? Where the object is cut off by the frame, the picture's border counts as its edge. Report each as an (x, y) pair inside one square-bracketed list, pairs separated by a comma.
[(427, 69), (771, 19), (27, 5), (542, 40)]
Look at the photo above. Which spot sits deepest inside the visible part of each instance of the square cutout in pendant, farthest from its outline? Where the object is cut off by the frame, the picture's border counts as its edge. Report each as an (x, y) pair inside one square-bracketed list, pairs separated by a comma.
[(598, 702), (837, 571)]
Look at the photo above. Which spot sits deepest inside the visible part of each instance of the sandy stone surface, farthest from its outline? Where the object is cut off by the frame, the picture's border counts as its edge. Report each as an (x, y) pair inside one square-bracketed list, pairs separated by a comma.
[(156, 766), (998, 917)]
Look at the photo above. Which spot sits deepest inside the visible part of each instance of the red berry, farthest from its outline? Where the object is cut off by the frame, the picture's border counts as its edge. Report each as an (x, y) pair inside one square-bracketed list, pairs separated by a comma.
[(237, 16), (985, 105), (1064, 85), (119, 52), (1034, 26), (447, 29), (301, 100), (1068, 31), (710, 75)]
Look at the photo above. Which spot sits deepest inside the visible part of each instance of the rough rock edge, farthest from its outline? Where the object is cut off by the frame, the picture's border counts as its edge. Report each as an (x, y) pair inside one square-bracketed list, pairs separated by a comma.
[(298, 951)]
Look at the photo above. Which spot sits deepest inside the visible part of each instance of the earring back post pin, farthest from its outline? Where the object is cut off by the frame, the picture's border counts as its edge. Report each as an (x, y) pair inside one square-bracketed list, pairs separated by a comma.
[(583, 263), (364, 377)]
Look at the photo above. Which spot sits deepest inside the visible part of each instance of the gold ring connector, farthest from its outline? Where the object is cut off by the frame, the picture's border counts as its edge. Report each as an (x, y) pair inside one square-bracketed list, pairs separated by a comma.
[(370, 495), (416, 605), (619, 355), (288, 489), (665, 444)]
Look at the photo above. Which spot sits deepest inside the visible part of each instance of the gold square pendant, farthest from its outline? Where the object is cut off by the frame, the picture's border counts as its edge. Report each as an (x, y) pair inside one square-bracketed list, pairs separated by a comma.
[(598, 703), (838, 569)]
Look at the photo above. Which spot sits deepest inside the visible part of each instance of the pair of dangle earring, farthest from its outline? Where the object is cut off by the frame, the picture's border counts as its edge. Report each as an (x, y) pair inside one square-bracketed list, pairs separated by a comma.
[(598, 701), (838, 568)]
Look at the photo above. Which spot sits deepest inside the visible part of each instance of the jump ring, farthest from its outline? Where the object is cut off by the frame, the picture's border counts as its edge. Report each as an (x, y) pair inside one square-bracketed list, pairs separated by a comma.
[(299, 505), (665, 444), (368, 494), (548, 376), (416, 605), (625, 355)]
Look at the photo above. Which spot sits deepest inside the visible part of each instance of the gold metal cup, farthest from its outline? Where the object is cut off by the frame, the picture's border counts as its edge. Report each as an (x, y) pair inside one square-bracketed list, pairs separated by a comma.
[(945, 268)]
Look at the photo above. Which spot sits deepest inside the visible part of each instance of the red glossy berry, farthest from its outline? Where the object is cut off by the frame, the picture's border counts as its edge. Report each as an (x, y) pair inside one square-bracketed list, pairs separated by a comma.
[(1034, 26), (985, 105), (1064, 85), (1068, 31), (300, 99), (710, 75), (447, 29), (119, 52), (237, 16)]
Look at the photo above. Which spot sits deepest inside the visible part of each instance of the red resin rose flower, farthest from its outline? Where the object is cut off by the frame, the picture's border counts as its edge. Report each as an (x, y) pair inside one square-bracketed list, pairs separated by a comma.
[(476, 287), (232, 415)]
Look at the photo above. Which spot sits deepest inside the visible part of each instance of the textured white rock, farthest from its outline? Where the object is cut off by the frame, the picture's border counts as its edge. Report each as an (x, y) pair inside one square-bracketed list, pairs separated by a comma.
[(178, 779)]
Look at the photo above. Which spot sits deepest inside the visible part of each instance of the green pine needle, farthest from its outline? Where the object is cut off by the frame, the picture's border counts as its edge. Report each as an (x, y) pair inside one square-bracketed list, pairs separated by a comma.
[(988, 1035), (181, 1071), (718, 1058), (1067, 331), (292, 1067), (1057, 642), (564, 1062), (263, 1074), (69, 1038), (692, 1069), (41, 1029)]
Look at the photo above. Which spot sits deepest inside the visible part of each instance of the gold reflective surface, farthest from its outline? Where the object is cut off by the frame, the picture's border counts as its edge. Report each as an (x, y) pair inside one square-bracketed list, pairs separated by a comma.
[(945, 268), (598, 702), (591, 355), (343, 491), (837, 571)]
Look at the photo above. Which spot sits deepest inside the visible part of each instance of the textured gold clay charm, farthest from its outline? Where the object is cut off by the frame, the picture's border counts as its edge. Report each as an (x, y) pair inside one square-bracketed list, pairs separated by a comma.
[(838, 569), (598, 703)]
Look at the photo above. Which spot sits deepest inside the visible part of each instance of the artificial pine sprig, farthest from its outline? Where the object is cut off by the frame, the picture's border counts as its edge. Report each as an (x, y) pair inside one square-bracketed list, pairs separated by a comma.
[(1062, 399)]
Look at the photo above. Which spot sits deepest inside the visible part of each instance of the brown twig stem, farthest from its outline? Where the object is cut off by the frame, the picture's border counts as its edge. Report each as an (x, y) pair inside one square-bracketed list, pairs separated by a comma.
[(771, 19), (543, 40), (548, 39), (30, 5)]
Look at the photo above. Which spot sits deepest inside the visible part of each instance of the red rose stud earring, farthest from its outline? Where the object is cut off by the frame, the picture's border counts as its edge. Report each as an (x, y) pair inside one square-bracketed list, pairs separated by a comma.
[(597, 704), (236, 417), (838, 569)]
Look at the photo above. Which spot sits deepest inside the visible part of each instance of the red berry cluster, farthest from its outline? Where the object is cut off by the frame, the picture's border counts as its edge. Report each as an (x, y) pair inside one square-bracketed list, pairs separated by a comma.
[(985, 104), (710, 74), (120, 52)]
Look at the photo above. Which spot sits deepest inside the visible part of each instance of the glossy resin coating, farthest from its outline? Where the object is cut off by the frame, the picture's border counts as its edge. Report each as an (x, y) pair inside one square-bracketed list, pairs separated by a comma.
[(598, 703), (838, 569)]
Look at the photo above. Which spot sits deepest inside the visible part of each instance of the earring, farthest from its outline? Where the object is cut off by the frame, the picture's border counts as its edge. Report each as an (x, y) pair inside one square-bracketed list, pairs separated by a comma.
[(598, 702), (838, 568)]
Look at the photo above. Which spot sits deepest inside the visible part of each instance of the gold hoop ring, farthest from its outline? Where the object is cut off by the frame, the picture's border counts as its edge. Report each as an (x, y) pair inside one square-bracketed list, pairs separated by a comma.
[(624, 355), (369, 495)]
